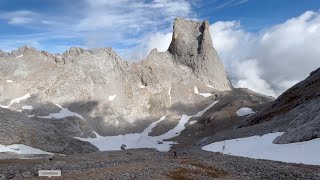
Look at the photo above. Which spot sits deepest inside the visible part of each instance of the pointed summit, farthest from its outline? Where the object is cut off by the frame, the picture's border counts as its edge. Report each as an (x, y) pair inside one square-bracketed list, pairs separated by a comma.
[(191, 45)]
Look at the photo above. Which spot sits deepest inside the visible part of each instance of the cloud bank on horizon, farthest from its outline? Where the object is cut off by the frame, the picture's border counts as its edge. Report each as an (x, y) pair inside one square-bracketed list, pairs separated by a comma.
[(268, 60)]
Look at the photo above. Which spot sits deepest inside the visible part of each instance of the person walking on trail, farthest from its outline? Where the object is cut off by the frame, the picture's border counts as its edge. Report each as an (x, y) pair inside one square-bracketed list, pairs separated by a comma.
[(175, 154)]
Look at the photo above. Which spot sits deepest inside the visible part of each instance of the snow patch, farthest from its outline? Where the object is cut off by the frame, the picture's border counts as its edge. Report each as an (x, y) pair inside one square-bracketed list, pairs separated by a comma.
[(244, 111), (20, 56), (28, 107), (210, 86), (201, 113), (21, 149), (192, 122), (142, 86), (169, 93), (17, 100), (261, 147), (141, 140), (195, 89), (111, 98), (9, 81), (64, 112)]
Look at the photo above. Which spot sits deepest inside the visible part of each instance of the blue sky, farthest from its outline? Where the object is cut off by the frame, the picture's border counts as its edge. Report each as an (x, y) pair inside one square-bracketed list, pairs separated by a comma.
[(54, 25), (265, 45)]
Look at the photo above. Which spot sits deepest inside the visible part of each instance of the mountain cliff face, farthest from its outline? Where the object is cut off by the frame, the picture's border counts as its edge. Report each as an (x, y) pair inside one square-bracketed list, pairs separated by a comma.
[(191, 45)]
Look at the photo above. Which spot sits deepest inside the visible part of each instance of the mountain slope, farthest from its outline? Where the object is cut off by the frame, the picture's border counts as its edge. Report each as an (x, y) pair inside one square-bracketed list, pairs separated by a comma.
[(300, 106), (295, 112)]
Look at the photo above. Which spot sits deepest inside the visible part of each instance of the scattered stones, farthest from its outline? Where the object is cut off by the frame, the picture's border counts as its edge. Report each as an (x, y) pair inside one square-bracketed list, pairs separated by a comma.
[(152, 164)]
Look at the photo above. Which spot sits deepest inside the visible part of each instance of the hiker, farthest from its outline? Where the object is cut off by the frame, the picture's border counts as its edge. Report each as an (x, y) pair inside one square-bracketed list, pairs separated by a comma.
[(175, 154), (123, 147)]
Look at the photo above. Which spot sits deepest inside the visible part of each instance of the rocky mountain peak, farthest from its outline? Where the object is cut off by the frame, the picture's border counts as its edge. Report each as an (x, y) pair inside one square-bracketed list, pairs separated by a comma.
[(191, 45), (25, 49)]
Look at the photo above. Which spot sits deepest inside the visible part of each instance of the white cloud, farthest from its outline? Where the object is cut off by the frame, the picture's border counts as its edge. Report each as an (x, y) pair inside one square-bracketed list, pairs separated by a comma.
[(133, 27), (18, 17), (273, 60), (248, 74), (127, 19), (230, 3), (160, 41)]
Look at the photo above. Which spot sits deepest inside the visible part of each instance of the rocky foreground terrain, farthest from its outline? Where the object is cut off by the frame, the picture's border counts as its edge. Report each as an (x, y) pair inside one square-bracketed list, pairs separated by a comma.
[(152, 164)]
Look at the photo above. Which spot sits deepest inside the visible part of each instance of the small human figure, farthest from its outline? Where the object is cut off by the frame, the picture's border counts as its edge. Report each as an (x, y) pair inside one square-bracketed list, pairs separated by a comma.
[(175, 154), (224, 146), (123, 147)]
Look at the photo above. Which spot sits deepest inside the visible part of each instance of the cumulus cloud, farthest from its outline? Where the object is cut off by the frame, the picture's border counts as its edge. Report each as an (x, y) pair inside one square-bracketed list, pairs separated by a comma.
[(160, 41), (273, 60), (248, 74)]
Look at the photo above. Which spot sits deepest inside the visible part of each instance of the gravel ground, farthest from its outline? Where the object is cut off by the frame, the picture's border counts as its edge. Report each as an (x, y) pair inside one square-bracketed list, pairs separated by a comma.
[(151, 164)]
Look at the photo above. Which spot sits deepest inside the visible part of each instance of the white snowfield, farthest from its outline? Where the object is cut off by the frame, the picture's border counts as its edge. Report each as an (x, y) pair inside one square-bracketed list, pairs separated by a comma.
[(21, 149), (28, 107), (64, 112), (142, 140), (17, 100), (192, 122), (195, 89), (244, 111), (9, 81), (111, 98), (261, 147)]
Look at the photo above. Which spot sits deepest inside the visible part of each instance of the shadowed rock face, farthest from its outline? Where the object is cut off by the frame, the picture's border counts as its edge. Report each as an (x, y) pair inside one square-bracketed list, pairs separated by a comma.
[(17, 128), (299, 107), (191, 45)]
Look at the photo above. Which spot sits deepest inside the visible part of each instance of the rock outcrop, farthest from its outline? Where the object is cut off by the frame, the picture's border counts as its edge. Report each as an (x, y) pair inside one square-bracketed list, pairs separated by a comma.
[(191, 45), (16, 128)]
